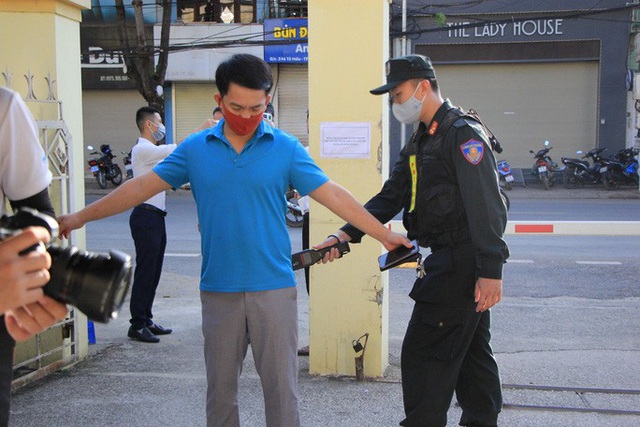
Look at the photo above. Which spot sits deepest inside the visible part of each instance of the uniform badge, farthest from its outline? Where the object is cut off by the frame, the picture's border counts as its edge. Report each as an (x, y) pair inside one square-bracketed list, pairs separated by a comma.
[(473, 151), (433, 128)]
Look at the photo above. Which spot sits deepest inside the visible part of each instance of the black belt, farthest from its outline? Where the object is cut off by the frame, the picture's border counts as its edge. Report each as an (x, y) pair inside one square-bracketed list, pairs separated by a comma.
[(152, 208), (446, 239)]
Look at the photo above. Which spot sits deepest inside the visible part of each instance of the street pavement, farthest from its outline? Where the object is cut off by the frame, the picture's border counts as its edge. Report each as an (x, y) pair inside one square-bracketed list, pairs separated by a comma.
[(564, 362)]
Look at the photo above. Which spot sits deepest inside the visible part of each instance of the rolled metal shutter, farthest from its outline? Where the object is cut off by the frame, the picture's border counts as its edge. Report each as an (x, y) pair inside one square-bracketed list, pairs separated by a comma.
[(526, 104), (293, 100), (193, 105)]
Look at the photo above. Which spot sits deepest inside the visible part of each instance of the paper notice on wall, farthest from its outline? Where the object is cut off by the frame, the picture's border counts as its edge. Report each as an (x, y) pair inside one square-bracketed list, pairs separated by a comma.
[(346, 140)]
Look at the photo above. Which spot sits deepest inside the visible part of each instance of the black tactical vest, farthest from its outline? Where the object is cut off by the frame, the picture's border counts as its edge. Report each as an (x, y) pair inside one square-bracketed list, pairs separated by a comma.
[(435, 215)]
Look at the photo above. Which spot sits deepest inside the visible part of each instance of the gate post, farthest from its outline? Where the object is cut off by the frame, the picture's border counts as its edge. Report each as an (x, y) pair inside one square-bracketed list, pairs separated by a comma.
[(348, 45), (40, 49)]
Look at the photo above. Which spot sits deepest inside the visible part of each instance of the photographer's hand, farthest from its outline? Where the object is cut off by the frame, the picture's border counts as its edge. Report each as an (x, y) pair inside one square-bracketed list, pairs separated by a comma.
[(23, 276), (25, 322)]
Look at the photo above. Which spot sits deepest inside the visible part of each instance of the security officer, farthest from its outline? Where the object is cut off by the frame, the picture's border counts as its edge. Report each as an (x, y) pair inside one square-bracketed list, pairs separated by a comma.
[(446, 181)]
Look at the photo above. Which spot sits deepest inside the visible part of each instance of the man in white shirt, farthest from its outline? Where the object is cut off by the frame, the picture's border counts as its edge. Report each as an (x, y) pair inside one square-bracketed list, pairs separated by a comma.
[(147, 222)]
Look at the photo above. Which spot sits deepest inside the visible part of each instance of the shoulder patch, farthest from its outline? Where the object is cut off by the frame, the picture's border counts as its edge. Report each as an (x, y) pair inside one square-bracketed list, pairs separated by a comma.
[(473, 151)]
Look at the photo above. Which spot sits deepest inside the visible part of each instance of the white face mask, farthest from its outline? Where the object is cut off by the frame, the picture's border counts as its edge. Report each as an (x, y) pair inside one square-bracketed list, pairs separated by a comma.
[(160, 133), (409, 111)]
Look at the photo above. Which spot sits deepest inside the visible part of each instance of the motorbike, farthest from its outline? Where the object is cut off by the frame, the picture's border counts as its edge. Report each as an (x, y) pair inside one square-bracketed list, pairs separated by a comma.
[(621, 169), (544, 167), (294, 216), (128, 167), (580, 172), (102, 166), (505, 175)]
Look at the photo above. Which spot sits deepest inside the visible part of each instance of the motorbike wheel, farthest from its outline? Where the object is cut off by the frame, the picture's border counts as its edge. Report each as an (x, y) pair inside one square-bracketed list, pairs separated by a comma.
[(609, 181), (506, 185), (544, 180), (569, 178), (101, 177), (116, 175), (293, 220)]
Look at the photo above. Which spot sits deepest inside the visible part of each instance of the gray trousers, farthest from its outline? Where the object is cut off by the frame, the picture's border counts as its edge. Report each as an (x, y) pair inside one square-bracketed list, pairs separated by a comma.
[(267, 319)]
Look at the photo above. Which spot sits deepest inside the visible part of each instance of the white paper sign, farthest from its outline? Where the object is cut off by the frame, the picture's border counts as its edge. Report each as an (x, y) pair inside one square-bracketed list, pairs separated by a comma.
[(346, 140)]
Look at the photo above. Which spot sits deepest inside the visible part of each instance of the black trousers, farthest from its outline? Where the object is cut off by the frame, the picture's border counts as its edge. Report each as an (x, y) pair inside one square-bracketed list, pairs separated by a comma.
[(150, 238), (446, 347), (6, 372)]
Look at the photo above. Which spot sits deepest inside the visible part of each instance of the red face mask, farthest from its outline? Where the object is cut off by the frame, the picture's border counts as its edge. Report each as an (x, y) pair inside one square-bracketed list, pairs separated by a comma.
[(240, 125)]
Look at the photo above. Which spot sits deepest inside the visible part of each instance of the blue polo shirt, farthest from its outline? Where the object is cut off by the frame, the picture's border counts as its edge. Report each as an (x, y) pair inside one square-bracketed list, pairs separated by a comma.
[(241, 204)]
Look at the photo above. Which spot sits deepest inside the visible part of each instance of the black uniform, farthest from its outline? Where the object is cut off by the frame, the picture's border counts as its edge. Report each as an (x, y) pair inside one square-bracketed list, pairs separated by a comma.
[(446, 182)]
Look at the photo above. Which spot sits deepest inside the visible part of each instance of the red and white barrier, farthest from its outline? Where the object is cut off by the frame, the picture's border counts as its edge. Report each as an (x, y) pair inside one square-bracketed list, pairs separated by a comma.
[(575, 228)]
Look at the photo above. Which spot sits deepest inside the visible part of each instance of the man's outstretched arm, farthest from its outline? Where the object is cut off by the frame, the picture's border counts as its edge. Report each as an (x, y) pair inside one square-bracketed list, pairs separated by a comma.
[(342, 203), (128, 195)]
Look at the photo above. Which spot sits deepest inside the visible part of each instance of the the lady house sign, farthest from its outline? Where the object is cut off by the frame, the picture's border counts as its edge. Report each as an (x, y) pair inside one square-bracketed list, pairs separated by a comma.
[(528, 28)]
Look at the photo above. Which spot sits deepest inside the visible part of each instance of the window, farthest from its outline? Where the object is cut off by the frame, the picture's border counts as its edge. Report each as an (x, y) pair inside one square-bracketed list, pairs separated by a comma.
[(244, 11)]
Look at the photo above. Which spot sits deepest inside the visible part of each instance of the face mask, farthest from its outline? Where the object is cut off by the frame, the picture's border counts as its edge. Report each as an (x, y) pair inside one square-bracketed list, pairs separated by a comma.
[(160, 133), (240, 125), (409, 111)]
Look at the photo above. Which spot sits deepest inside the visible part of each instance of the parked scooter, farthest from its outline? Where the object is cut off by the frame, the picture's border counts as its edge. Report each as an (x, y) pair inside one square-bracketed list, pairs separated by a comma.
[(293, 216), (505, 175), (580, 172), (103, 168), (621, 169), (128, 167), (544, 167)]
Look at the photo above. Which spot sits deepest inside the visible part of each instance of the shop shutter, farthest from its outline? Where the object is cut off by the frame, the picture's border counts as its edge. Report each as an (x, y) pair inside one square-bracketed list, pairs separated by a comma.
[(193, 105), (526, 104), (293, 100)]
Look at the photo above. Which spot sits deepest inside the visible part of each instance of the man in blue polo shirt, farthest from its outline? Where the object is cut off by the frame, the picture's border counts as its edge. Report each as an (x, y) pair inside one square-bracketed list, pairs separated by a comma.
[(239, 171)]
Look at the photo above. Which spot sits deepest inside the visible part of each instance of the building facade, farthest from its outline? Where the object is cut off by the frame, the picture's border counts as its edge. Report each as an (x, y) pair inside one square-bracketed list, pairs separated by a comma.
[(535, 71), (200, 40), (555, 71)]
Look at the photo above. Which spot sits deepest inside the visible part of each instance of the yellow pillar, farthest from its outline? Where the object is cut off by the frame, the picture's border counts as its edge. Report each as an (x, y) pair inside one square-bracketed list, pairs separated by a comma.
[(348, 45), (40, 58)]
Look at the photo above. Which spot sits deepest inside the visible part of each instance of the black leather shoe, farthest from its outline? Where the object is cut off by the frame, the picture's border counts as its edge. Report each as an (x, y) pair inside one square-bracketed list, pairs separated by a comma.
[(144, 335), (159, 330)]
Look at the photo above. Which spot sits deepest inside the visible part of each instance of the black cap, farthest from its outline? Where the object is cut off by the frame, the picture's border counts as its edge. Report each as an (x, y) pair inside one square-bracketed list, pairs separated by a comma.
[(405, 68)]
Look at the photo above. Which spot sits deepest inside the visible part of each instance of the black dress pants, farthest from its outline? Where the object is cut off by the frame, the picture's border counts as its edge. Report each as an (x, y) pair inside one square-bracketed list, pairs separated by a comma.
[(7, 345), (446, 347), (150, 238)]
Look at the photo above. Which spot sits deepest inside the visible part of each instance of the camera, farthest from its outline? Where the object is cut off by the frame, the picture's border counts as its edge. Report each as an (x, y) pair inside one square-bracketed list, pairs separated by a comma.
[(95, 284)]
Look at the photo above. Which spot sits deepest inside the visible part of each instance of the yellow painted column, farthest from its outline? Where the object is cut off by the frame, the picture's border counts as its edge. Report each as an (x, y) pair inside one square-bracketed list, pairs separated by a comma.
[(348, 45), (40, 59)]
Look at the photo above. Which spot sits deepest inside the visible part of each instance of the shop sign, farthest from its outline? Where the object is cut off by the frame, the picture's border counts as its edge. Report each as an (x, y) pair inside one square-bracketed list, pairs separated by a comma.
[(527, 28), (277, 32)]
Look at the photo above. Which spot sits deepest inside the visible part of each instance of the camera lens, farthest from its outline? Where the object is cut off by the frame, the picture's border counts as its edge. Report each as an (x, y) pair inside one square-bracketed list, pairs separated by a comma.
[(96, 284)]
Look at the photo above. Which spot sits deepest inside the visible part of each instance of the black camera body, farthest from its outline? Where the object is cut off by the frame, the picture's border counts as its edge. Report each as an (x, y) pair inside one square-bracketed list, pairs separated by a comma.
[(95, 284)]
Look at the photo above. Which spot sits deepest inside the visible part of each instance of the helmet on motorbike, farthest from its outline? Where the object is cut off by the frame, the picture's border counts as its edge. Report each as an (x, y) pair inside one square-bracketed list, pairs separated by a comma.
[(105, 148)]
